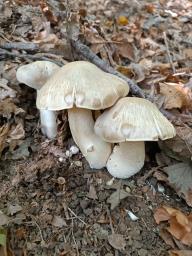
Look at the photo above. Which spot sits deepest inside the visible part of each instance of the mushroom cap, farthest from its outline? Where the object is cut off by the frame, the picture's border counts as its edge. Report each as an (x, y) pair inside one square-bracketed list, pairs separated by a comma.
[(36, 74), (133, 119), (81, 84)]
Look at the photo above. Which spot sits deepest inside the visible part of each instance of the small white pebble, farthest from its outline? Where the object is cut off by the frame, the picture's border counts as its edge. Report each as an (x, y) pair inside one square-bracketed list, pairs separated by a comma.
[(68, 153), (110, 182), (128, 190), (61, 159), (160, 188), (74, 150), (132, 216)]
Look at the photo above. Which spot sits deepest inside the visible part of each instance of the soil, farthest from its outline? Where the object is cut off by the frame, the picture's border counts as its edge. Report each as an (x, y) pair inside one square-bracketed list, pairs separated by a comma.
[(56, 205)]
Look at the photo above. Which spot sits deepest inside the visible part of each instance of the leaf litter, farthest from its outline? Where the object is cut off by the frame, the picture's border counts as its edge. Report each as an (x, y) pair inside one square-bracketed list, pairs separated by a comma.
[(128, 36)]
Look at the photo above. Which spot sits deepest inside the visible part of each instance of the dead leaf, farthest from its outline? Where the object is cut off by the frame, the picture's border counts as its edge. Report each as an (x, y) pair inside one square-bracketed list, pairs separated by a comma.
[(116, 197), (125, 48), (179, 147), (58, 222), (7, 107), (180, 225), (6, 91), (180, 253), (92, 193), (14, 208), (3, 219), (180, 178), (176, 95), (167, 237), (117, 241)]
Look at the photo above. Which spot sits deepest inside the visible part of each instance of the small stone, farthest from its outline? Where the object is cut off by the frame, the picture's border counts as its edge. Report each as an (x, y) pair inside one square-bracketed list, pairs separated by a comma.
[(128, 190), (68, 153), (74, 150), (61, 159)]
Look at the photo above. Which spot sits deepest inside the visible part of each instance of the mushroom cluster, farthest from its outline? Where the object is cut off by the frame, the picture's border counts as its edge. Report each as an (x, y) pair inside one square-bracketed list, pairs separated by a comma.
[(116, 139)]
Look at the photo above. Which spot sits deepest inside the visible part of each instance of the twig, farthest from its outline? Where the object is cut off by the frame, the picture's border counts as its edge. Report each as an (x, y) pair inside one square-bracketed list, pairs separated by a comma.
[(6, 53), (84, 51), (72, 212), (76, 245), (19, 46), (168, 52)]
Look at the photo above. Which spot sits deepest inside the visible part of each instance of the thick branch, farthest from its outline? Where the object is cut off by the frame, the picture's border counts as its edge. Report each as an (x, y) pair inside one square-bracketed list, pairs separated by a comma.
[(20, 46)]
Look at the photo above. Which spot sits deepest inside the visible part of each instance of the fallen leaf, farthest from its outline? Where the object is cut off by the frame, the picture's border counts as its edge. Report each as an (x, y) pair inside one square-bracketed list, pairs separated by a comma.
[(116, 197), (58, 222), (180, 253), (180, 178), (117, 241), (7, 107), (180, 225), (92, 193), (3, 219), (124, 48), (14, 208), (167, 237), (6, 91), (176, 95)]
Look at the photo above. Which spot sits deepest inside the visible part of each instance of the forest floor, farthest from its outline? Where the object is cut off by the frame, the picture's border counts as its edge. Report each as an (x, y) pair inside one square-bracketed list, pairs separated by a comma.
[(51, 202)]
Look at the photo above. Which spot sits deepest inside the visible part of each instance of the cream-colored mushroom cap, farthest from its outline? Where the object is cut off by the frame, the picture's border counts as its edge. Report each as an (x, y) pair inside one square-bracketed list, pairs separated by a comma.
[(133, 119), (81, 84)]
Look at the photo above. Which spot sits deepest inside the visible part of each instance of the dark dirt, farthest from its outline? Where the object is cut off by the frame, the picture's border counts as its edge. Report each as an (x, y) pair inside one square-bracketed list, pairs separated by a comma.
[(56, 205)]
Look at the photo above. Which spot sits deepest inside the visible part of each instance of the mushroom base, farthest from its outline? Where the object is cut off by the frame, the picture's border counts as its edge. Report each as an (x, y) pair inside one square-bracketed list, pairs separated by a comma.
[(48, 123), (95, 150), (126, 159)]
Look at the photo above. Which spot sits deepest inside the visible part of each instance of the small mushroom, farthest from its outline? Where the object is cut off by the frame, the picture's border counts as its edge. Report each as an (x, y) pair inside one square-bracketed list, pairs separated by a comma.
[(130, 122), (35, 75), (81, 87)]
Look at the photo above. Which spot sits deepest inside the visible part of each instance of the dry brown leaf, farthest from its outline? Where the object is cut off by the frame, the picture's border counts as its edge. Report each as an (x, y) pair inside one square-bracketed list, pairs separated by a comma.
[(180, 253), (176, 95), (179, 147), (180, 225), (6, 91), (7, 107), (117, 241), (180, 178), (124, 48)]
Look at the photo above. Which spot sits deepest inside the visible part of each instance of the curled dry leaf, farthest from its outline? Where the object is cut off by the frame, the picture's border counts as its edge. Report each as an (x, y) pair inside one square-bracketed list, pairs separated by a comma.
[(179, 147), (180, 225), (176, 95), (180, 178)]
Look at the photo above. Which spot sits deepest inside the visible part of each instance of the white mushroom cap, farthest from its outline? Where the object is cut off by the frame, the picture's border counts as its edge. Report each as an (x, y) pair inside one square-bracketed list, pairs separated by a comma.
[(133, 119), (81, 84), (36, 74)]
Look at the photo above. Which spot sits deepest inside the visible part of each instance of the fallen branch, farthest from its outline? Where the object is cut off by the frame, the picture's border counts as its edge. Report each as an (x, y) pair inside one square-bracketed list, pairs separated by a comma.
[(4, 53), (85, 51), (19, 46)]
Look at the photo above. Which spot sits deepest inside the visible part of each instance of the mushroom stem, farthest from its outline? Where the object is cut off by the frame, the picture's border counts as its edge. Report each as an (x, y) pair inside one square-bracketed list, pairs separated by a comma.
[(126, 159), (94, 149), (48, 123)]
